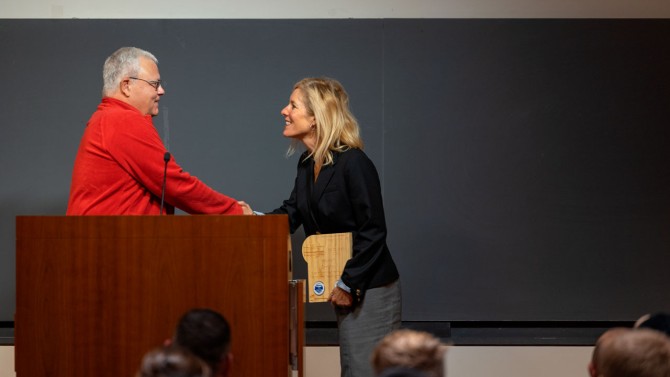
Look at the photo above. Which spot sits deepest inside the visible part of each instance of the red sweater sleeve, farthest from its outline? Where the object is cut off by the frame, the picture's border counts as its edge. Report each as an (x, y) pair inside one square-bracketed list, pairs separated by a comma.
[(119, 170), (133, 142)]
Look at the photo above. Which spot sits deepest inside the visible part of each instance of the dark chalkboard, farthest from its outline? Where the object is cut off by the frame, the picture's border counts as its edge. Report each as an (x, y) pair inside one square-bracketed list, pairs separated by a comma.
[(524, 162)]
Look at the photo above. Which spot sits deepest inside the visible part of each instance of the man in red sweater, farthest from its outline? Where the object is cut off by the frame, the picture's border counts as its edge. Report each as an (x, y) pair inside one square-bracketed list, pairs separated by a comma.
[(120, 165)]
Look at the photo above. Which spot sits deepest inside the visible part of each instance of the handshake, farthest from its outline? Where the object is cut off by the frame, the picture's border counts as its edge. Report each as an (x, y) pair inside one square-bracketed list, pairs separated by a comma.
[(246, 208)]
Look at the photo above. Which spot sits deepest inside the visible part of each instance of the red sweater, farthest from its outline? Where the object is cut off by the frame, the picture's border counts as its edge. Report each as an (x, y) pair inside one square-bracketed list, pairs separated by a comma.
[(119, 170)]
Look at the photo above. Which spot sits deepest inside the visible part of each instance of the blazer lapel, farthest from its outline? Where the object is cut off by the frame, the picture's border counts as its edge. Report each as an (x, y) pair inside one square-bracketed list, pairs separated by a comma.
[(324, 179)]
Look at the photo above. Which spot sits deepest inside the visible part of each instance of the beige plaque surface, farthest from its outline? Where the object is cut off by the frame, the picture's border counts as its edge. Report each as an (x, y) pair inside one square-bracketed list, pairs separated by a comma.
[(326, 255)]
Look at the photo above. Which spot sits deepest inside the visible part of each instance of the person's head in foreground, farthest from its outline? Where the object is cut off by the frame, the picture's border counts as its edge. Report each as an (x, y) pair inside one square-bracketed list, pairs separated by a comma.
[(206, 334), (657, 321), (416, 350), (624, 352)]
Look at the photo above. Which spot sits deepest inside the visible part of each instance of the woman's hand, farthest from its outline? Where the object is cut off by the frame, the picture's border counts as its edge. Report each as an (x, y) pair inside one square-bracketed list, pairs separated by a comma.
[(340, 297)]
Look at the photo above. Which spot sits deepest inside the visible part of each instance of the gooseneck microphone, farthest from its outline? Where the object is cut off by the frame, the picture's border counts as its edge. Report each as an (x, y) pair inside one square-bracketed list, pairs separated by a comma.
[(166, 158)]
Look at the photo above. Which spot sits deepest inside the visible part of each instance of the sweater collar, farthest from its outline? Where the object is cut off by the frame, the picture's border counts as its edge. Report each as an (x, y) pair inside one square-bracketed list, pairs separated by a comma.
[(113, 102)]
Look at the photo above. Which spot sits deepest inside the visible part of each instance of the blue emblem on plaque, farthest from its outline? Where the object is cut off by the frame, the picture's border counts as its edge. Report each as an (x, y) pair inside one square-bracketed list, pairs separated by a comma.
[(318, 288)]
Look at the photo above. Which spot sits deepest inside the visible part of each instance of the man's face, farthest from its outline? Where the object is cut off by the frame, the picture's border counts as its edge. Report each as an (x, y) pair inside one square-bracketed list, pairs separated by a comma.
[(144, 96)]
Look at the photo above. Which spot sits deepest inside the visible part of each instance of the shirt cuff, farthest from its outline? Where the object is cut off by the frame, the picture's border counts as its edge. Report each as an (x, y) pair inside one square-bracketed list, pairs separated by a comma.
[(343, 286)]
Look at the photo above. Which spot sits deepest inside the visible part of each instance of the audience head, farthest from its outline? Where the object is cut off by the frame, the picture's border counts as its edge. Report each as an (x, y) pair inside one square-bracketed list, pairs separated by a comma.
[(172, 362), (623, 352), (206, 334), (658, 321), (416, 350)]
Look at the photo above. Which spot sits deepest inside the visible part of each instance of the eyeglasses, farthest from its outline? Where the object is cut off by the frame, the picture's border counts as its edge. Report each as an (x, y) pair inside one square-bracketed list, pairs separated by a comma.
[(156, 84)]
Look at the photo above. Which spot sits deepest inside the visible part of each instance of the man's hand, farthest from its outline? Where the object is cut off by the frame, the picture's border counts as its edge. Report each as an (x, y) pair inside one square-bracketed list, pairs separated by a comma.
[(246, 208)]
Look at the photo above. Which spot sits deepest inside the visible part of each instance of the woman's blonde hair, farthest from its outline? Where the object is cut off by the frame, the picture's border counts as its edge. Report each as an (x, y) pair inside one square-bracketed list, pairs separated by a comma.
[(336, 127)]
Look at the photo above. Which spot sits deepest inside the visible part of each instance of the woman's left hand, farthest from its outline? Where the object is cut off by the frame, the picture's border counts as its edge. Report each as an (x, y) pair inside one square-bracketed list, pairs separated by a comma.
[(340, 297)]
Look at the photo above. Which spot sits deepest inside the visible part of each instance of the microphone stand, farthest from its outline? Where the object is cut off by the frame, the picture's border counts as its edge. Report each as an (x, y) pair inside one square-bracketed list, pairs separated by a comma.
[(166, 158)]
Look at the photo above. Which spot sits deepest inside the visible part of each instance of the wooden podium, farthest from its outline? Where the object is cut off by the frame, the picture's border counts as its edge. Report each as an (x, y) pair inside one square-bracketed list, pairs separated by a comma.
[(95, 293)]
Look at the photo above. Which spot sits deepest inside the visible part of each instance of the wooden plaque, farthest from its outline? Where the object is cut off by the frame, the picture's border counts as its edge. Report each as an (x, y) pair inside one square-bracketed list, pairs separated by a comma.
[(326, 255)]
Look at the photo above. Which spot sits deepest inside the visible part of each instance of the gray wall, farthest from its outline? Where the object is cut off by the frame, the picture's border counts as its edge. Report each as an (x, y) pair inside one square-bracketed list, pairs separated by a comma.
[(523, 161)]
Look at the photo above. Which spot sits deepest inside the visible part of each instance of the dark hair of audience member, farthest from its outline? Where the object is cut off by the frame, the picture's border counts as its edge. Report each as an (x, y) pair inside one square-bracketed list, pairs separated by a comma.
[(206, 334), (657, 321)]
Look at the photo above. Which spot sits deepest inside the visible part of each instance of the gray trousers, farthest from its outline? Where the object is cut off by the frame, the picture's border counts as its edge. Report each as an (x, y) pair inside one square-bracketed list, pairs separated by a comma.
[(360, 330)]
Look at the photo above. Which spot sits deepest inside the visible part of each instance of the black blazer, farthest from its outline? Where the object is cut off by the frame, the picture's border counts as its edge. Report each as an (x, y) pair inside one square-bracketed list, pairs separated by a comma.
[(345, 198)]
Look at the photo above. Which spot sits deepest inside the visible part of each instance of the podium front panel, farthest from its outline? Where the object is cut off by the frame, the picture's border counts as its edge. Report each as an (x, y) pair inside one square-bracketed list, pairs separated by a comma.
[(95, 293)]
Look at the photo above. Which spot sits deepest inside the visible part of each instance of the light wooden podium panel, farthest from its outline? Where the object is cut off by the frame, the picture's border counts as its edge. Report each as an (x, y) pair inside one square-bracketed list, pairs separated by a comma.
[(95, 293)]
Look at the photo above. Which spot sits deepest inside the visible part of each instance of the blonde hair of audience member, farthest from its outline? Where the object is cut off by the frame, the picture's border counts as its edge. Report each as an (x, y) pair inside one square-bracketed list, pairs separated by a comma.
[(411, 349), (336, 127), (172, 362), (623, 352)]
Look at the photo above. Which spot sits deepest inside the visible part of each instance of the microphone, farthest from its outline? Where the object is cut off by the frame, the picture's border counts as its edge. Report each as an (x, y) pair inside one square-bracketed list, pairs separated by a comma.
[(166, 158)]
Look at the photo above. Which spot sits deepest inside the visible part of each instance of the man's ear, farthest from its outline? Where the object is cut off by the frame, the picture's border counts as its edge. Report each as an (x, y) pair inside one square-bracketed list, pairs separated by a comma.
[(124, 87), (167, 342), (592, 370)]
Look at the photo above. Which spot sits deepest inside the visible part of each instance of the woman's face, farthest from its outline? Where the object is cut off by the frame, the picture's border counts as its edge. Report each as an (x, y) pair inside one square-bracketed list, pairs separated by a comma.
[(299, 124)]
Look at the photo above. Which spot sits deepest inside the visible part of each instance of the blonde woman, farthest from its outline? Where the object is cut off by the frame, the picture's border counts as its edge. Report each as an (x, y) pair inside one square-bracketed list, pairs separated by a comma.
[(337, 190)]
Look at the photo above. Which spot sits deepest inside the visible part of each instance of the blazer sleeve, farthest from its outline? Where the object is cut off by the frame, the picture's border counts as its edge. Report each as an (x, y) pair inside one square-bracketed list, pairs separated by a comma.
[(369, 240)]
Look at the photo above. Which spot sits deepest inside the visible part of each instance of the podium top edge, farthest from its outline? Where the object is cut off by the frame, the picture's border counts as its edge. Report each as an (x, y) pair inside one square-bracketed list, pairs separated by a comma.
[(150, 226)]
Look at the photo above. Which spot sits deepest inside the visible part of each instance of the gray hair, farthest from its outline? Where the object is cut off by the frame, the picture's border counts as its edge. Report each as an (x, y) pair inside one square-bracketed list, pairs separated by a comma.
[(123, 62)]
